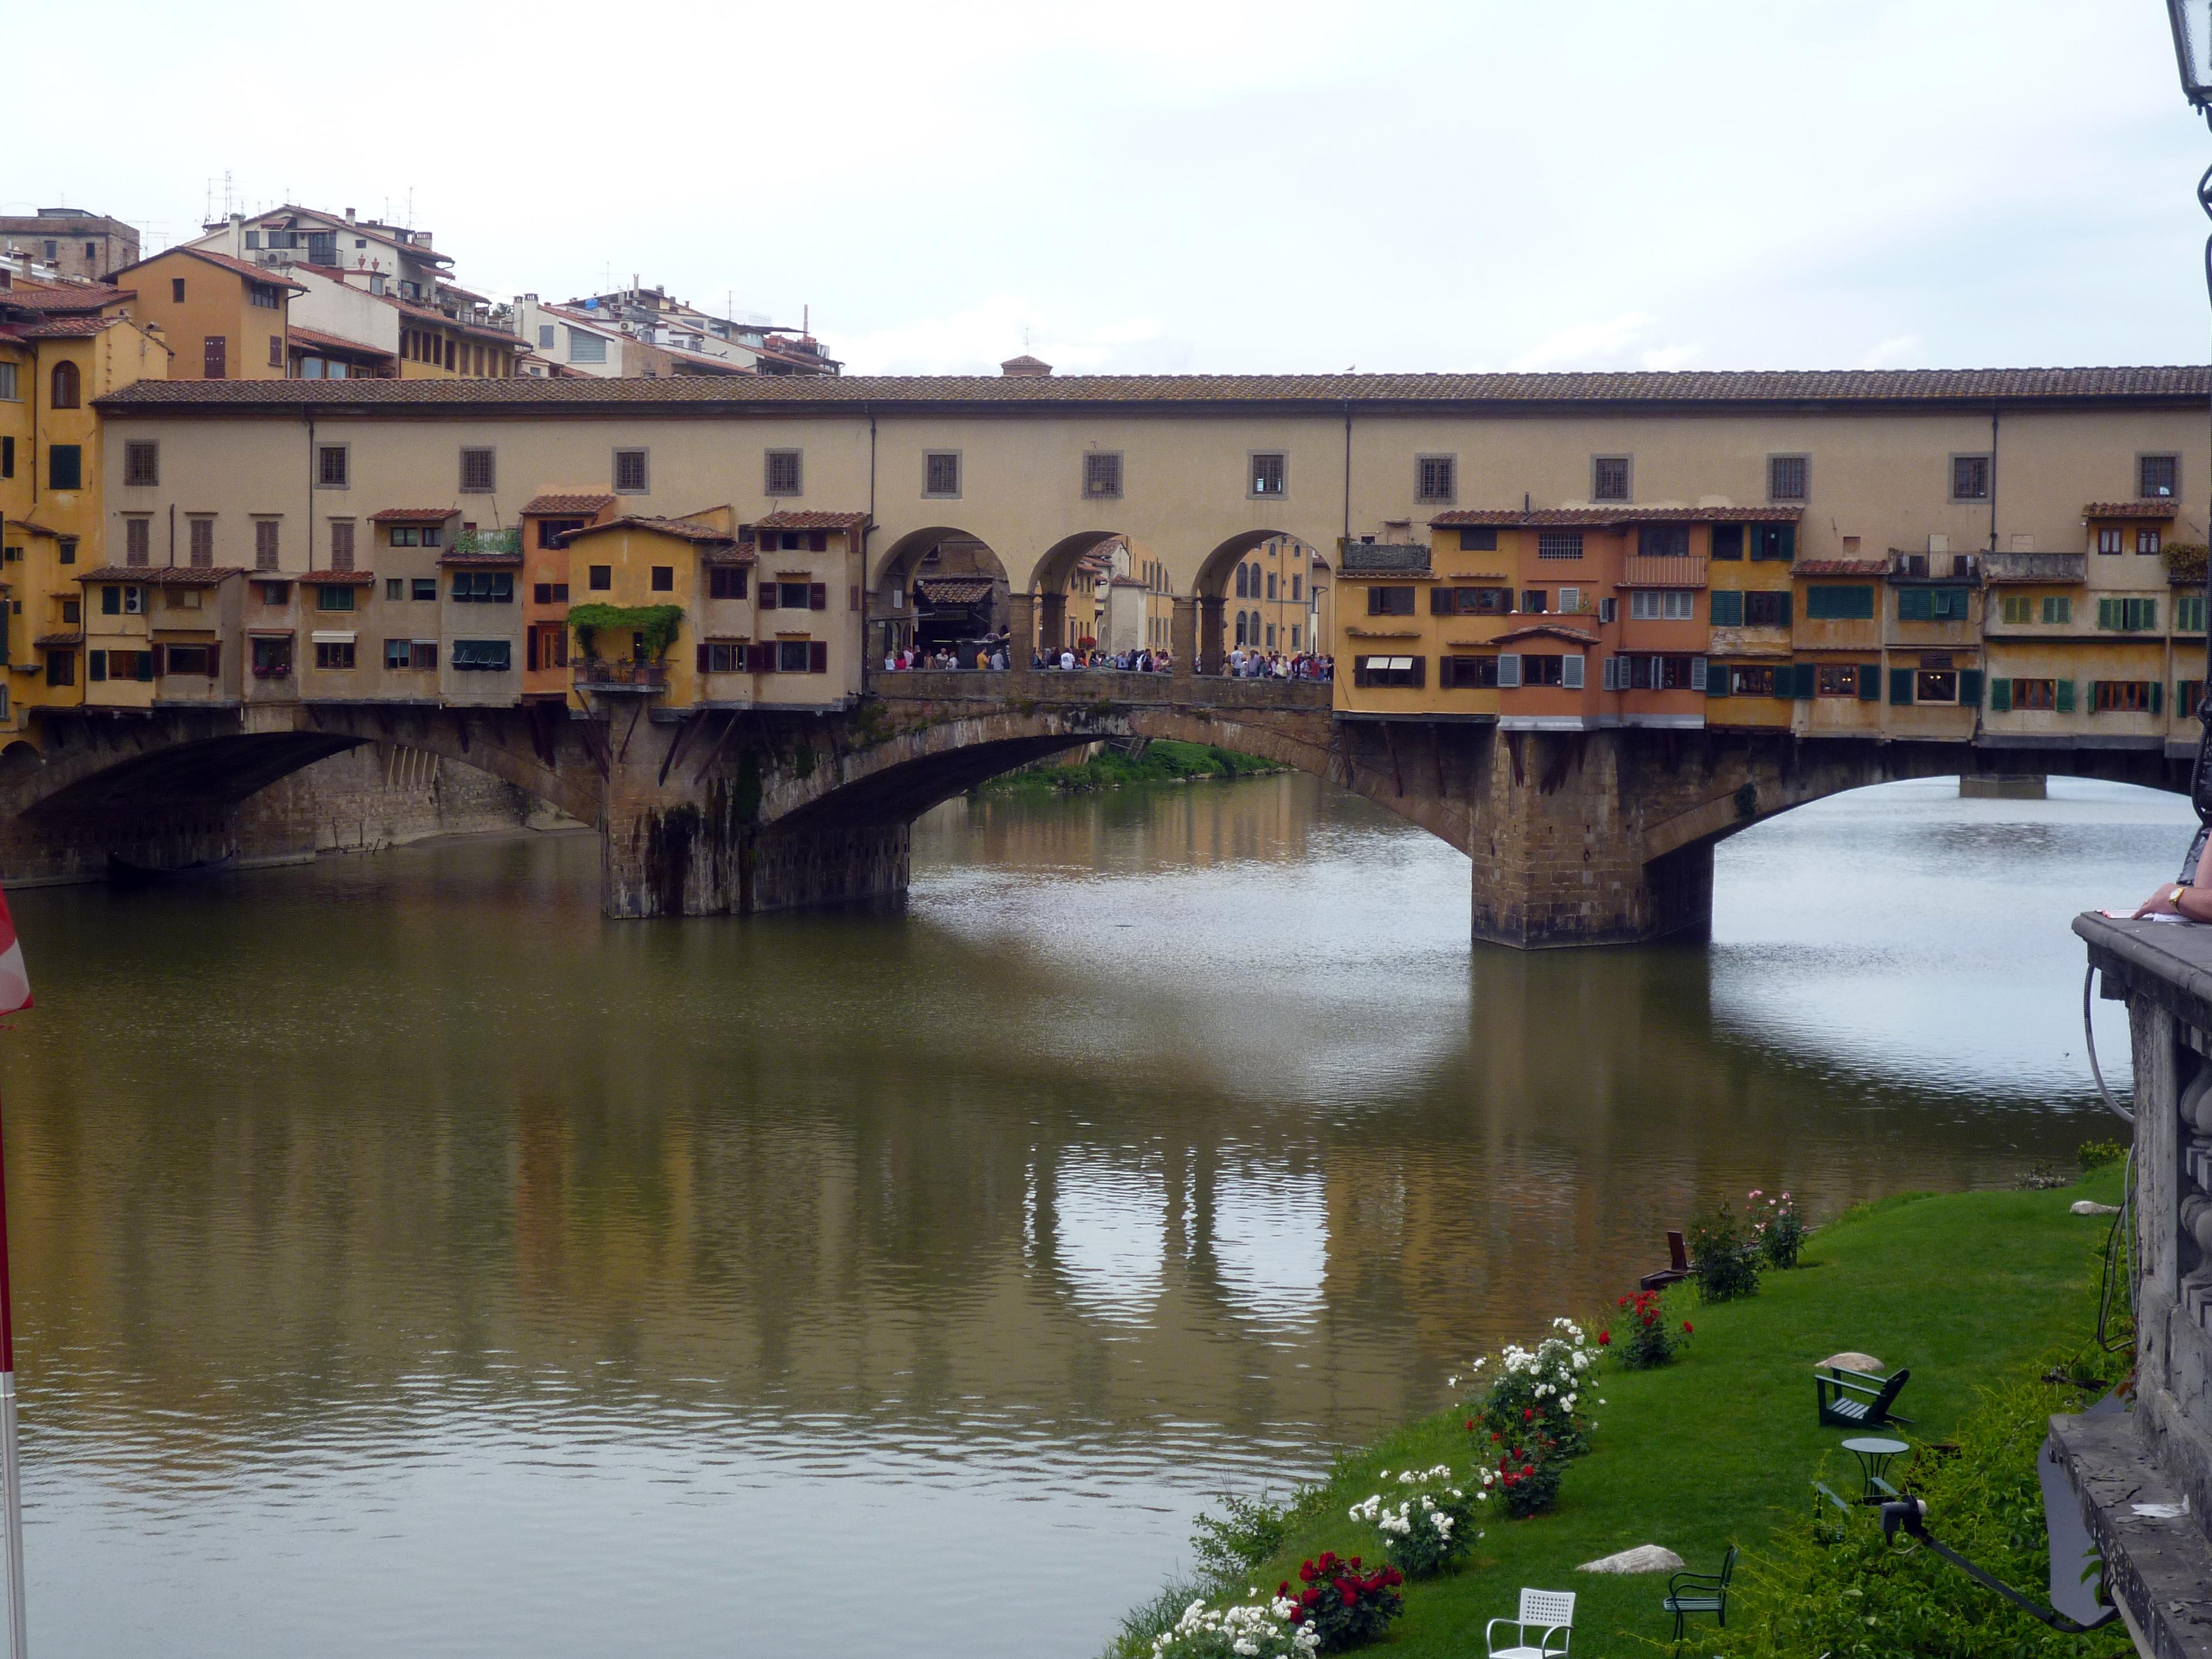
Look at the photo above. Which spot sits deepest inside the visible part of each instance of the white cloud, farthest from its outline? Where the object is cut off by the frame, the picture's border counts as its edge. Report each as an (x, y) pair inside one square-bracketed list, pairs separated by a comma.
[(1889, 353), (977, 339)]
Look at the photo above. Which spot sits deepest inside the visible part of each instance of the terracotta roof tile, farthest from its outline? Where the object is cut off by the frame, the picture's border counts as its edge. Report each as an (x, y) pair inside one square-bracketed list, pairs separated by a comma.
[(223, 261), (678, 528), (954, 590), (797, 521), (64, 296), (336, 343), (163, 575), (45, 641), (1546, 631), (1979, 387), (1598, 517), (2147, 509), (326, 578), (69, 328), (555, 501), (413, 515), (1840, 568)]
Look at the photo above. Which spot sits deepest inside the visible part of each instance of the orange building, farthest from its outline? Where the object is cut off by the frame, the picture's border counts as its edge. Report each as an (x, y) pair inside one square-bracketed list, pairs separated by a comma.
[(224, 319)]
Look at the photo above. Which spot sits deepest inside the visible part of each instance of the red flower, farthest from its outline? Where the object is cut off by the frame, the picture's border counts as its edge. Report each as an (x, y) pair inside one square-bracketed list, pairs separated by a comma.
[(1345, 1587), (1283, 1588), (1685, 1327), (1527, 1469), (1355, 1563), (1529, 1414), (1603, 1338), (1306, 1574), (1470, 1425), (1493, 1436)]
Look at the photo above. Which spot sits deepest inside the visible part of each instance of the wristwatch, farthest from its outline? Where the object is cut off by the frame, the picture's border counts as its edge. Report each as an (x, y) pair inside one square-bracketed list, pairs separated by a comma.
[(2174, 897)]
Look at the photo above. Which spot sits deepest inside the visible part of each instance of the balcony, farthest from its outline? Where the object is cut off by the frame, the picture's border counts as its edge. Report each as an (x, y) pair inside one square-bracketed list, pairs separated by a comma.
[(2060, 568), (1686, 571), (1938, 567), (640, 678), (488, 544), (1385, 559)]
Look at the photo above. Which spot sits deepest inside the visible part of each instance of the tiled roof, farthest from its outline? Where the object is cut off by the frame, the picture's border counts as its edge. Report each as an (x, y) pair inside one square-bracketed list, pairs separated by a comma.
[(335, 343), (1980, 387), (329, 578), (257, 273), (45, 641), (1588, 517), (1546, 631), (485, 560), (68, 328), (678, 528), (811, 521), (163, 575), (954, 590), (64, 296), (413, 515), (1840, 568), (554, 501), (2148, 509)]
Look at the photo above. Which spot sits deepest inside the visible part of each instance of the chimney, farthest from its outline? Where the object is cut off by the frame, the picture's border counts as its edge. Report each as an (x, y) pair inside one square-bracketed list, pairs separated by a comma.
[(349, 215), (237, 235), (1024, 367)]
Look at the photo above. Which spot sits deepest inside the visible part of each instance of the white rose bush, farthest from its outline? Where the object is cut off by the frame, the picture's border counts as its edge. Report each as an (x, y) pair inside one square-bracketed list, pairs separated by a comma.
[(1425, 1517)]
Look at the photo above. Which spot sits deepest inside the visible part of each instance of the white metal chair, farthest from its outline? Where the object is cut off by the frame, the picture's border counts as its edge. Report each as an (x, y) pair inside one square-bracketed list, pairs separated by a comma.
[(1552, 1613)]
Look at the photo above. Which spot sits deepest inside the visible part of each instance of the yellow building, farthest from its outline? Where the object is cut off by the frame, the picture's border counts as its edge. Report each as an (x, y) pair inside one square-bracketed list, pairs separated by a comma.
[(1272, 597), (225, 319)]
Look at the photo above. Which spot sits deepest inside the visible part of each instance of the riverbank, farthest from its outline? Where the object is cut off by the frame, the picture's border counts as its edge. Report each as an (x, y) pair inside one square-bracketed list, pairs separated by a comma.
[(1976, 1292), (1162, 761)]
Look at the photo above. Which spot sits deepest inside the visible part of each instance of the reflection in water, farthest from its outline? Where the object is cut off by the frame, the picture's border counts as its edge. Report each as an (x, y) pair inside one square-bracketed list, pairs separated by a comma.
[(407, 1256)]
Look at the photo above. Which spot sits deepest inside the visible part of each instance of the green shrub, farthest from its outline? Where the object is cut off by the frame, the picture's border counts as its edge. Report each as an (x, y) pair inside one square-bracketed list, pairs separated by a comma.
[(1343, 1605), (1431, 1525), (1776, 1227), (1249, 1531), (2096, 1154), (1648, 1339), (1724, 1256)]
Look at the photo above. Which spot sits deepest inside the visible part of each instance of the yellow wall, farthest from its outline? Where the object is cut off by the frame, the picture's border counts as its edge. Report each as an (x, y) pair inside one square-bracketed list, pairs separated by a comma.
[(215, 303)]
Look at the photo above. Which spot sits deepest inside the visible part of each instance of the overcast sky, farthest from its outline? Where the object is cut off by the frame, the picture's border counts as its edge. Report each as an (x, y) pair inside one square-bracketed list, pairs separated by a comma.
[(1199, 185)]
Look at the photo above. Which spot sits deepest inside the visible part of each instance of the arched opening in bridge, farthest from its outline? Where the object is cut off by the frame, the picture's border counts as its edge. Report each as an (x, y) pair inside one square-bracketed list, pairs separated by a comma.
[(938, 590), (1263, 593), (1102, 589)]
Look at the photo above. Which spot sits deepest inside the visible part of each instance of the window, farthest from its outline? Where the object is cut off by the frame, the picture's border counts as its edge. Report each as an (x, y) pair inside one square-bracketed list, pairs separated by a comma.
[(546, 336), (664, 579), (546, 646), (1483, 539), (1970, 477), (2129, 615), (1762, 609), (403, 535), (95, 665), (1663, 541), (331, 469), (265, 532), (940, 473), (2187, 697), (2146, 541), (1728, 541), (395, 588), (631, 471), (61, 668), (2188, 613), (334, 654), (2058, 607), (214, 357), (65, 549), (73, 612), (423, 587), (726, 581), (2017, 608), (479, 471), (1609, 478), (2124, 696), (8, 382), (1102, 475), (142, 462), (1787, 476), (599, 578), (7, 454), (1932, 603), (1936, 685), (1559, 544), (483, 587), (138, 540), (176, 290), (1534, 601), (1643, 673), (1751, 682), (341, 543), (721, 657), (1270, 474), (797, 656), (1403, 672), (272, 593), (398, 653), (1777, 542), (2111, 541), (276, 351), (1435, 478), (65, 466), (587, 347), (66, 386), (201, 531), (784, 473), (1549, 671), (1470, 601), (2029, 694), (1835, 602), (1389, 601), (1661, 604), (483, 656), (1837, 680), (1244, 584), (2158, 475), (334, 597), (1296, 584), (1271, 584), (1465, 673)]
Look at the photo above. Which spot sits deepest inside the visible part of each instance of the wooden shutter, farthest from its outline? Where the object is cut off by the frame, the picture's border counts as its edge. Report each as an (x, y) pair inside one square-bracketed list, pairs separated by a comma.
[(1970, 688), (767, 596), (817, 596), (703, 659), (2108, 613), (1869, 682), (145, 664), (2063, 696), (2000, 696), (818, 657), (1701, 673), (160, 656), (1900, 686), (1728, 607), (2157, 687), (760, 658), (1508, 668), (853, 597), (1571, 671), (1804, 680)]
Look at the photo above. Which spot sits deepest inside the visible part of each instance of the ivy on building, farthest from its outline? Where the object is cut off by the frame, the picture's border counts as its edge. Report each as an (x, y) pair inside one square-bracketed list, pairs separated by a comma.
[(657, 623)]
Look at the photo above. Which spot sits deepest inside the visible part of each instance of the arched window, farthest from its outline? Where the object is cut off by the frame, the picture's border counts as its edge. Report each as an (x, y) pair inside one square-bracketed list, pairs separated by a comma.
[(1244, 585), (1271, 584), (64, 387), (1240, 623)]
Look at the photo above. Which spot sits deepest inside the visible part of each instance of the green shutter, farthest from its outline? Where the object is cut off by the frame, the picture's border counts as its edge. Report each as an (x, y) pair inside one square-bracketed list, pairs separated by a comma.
[(2156, 689), (1785, 601), (1809, 681), (2108, 613), (2000, 696), (1970, 688), (1717, 679), (1915, 605), (1870, 682), (1900, 686), (2065, 696), (1728, 607)]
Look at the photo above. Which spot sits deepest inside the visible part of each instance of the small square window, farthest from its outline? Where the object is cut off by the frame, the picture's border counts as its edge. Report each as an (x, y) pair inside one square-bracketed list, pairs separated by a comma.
[(601, 578), (1271, 474), (940, 472), (142, 462), (1609, 478), (1436, 479), (664, 579), (332, 470), (1102, 475), (2158, 475), (785, 474), (1970, 477), (630, 472), (479, 471), (1788, 478)]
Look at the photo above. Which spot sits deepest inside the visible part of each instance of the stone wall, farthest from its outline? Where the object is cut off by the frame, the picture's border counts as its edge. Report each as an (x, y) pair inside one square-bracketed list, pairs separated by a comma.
[(380, 795)]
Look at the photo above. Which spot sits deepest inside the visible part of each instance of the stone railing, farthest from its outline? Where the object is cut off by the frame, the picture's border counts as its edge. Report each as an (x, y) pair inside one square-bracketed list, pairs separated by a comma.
[(2034, 567)]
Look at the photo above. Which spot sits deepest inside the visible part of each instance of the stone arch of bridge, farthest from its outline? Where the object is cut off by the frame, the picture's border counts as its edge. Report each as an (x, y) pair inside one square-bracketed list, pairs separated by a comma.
[(1220, 611), (894, 608)]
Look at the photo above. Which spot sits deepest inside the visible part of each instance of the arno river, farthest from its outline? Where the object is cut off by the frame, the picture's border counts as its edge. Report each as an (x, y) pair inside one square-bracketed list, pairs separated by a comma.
[(409, 1261)]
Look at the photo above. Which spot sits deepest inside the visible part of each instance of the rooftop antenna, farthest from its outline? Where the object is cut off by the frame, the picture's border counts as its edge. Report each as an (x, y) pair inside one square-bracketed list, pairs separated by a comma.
[(807, 319), (226, 193)]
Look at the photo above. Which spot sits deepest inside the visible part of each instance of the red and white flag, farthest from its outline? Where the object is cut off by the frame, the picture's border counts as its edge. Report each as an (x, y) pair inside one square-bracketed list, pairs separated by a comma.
[(14, 980)]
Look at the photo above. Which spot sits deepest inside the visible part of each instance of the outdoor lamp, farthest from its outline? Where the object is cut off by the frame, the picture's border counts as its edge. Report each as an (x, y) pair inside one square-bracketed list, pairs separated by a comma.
[(2192, 46), (1910, 1515)]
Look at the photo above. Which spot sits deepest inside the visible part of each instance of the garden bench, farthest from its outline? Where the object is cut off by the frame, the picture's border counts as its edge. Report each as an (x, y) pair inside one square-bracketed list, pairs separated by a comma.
[(1676, 1270), (1854, 1400), (1699, 1592), (1550, 1613)]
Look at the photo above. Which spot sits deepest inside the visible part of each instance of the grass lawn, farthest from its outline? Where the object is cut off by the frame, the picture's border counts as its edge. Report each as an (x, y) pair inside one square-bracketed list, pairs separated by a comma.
[(1967, 1288)]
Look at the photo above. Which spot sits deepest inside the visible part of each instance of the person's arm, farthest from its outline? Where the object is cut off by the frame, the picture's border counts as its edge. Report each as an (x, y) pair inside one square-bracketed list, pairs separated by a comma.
[(2192, 902)]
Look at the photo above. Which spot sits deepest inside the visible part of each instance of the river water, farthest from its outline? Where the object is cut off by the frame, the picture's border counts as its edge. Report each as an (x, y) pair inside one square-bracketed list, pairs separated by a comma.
[(408, 1260)]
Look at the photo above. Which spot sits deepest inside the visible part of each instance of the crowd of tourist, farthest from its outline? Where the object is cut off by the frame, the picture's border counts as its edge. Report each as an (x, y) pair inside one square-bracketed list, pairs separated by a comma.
[(991, 653)]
